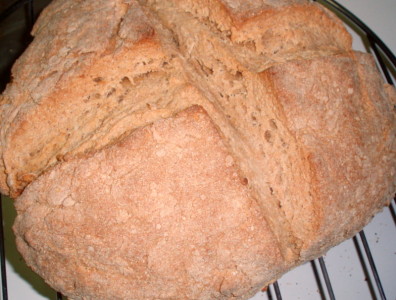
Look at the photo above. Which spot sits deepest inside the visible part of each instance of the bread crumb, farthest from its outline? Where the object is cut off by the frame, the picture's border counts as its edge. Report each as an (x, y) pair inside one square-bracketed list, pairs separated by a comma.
[(160, 153), (68, 202), (122, 216), (229, 161)]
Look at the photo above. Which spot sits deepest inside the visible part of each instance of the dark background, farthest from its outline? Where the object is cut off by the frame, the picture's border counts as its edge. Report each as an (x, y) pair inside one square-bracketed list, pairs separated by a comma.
[(15, 34)]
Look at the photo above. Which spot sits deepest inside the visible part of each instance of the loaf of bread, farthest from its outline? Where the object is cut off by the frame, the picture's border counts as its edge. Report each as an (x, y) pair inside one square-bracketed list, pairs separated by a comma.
[(191, 149)]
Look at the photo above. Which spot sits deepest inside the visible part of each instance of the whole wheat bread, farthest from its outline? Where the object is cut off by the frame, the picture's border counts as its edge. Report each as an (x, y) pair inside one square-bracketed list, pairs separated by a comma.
[(191, 149)]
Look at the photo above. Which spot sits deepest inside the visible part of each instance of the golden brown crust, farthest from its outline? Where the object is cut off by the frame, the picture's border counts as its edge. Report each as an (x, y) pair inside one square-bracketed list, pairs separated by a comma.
[(298, 135), (61, 73), (159, 215), (343, 120), (64, 90), (226, 68)]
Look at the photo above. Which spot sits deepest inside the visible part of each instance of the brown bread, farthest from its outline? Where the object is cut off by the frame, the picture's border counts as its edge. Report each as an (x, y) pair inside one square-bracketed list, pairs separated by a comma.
[(204, 147)]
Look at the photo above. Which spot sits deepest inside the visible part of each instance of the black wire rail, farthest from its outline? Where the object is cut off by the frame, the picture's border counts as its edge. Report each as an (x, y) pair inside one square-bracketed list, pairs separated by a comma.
[(17, 5), (4, 290), (380, 50)]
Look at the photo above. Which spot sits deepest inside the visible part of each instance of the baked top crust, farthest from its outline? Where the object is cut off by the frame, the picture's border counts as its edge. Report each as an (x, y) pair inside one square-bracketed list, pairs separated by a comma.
[(163, 214), (69, 87), (190, 98)]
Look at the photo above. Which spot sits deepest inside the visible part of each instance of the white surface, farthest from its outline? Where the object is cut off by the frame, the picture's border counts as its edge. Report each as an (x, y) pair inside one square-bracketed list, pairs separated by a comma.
[(379, 15), (345, 270), (342, 262)]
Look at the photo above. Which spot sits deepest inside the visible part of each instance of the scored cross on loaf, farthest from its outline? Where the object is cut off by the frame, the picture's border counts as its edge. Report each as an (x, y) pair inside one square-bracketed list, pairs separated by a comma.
[(190, 149)]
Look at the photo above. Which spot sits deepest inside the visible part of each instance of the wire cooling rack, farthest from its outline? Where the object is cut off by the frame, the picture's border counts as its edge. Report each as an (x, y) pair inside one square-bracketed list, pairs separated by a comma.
[(372, 279)]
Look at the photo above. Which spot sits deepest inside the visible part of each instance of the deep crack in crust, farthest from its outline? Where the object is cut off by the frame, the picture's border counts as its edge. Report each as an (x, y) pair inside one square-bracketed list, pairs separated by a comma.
[(304, 143), (163, 214)]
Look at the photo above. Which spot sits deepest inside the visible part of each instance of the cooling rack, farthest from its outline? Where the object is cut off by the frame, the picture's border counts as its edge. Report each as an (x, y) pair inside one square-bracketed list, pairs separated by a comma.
[(325, 281)]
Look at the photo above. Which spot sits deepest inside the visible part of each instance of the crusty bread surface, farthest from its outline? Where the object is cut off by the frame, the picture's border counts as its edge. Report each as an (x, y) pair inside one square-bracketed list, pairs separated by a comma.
[(191, 149), (163, 214)]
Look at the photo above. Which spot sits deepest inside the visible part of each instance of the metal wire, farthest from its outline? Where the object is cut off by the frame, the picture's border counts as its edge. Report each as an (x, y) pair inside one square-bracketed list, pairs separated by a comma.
[(364, 267), (372, 264), (370, 34), (269, 294), (2, 254), (31, 17), (12, 8), (277, 290), (317, 279), (326, 278), (393, 210), (380, 60)]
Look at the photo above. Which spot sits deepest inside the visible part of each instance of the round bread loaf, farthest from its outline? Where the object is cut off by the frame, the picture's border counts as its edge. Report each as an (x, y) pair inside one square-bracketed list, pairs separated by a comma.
[(190, 149)]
